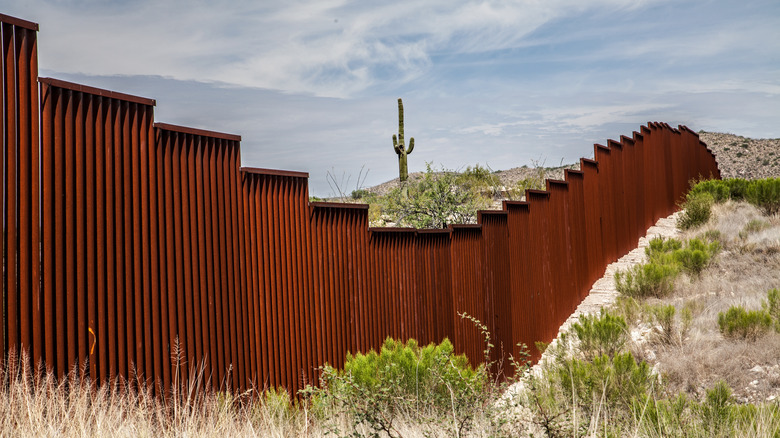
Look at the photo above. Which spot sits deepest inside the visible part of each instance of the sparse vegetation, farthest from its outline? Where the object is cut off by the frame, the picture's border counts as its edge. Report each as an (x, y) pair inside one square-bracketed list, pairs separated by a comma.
[(666, 259), (763, 193), (434, 201), (738, 323), (696, 210), (602, 335)]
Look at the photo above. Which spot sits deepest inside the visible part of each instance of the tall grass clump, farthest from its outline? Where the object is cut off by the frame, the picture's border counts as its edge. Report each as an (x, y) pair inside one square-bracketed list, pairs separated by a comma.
[(738, 323), (650, 279), (772, 307), (697, 210)]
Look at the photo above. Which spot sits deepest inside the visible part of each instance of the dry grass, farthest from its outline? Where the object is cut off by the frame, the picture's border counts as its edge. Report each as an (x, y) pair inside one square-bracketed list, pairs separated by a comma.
[(34, 403), (747, 267)]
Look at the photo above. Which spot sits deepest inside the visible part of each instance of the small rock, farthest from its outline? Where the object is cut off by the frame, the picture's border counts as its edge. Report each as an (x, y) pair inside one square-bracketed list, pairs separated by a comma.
[(754, 383), (771, 398), (757, 369)]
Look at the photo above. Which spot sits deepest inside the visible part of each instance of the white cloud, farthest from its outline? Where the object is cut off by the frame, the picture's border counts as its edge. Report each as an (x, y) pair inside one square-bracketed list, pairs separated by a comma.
[(328, 48)]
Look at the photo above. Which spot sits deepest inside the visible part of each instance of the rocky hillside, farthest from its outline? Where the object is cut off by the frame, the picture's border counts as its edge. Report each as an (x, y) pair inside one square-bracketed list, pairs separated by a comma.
[(742, 157)]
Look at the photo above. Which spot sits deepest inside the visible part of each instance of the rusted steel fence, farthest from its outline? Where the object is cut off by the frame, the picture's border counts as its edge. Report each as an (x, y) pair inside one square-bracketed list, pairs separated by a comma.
[(144, 250)]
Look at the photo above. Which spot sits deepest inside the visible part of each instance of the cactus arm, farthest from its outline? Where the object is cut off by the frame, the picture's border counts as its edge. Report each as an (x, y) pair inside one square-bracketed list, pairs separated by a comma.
[(411, 146), (395, 145)]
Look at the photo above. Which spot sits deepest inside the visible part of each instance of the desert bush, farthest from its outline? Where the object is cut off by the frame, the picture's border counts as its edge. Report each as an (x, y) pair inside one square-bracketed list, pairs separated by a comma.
[(712, 236), (697, 210), (667, 417), (480, 180), (610, 384), (403, 379), (598, 335), (667, 258), (433, 201), (715, 411), (663, 316), (772, 307), (696, 255), (765, 194), (738, 323), (652, 279)]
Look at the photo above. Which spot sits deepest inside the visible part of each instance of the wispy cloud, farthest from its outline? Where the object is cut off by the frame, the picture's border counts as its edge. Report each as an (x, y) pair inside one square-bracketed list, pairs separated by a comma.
[(327, 48)]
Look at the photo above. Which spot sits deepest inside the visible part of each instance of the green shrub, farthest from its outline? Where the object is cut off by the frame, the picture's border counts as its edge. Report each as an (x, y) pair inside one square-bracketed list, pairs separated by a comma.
[(605, 334), (359, 194), (375, 388), (715, 411), (434, 201), (617, 382), (652, 279), (663, 315), (718, 189), (713, 236), (738, 323), (765, 194), (658, 247), (696, 255), (667, 417), (480, 180), (697, 210), (772, 307), (667, 258)]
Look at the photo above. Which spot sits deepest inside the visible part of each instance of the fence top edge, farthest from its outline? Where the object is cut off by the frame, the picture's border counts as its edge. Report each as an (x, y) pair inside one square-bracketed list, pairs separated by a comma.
[(59, 83), (384, 230), (589, 162), (342, 205), (434, 231), (274, 172), (552, 182), (19, 22), (455, 227), (535, 192), (573, 172), (491, 212), (601, 147), (196, 131), (500, 214), (614, 144), (515, 204)]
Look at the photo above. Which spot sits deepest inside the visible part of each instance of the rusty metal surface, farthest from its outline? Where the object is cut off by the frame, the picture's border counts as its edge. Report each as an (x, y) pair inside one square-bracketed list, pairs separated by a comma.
[(20, 195), (157, 253)]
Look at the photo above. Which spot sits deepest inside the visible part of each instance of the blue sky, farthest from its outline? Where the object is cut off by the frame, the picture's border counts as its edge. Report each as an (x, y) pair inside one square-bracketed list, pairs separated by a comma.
[(311, 85)]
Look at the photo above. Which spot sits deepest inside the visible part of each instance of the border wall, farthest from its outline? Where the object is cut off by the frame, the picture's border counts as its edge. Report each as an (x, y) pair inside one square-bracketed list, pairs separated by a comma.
[(144, 250)]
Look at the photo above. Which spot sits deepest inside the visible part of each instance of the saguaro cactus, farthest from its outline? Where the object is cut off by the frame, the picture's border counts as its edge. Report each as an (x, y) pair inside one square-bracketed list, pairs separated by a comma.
[(399, 146)]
